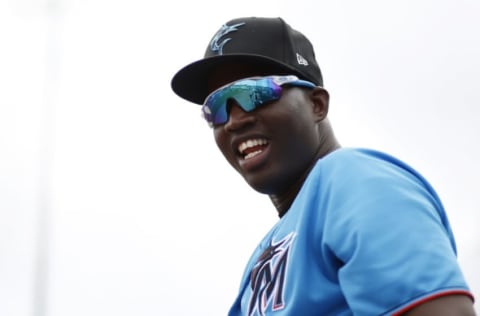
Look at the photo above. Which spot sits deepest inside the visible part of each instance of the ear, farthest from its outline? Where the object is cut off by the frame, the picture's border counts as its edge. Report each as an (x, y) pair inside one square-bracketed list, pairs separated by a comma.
[(320, 99)]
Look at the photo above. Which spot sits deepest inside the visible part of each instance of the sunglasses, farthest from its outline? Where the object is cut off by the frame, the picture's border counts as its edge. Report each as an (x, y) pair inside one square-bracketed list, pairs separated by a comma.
[(249, 94)]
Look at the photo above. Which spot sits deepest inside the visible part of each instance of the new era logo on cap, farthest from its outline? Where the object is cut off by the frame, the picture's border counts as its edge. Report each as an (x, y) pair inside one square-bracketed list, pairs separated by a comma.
[(301, 60)]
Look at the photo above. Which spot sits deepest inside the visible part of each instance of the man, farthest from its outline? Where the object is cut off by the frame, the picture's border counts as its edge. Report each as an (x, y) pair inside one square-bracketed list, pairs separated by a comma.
[(360, 232)]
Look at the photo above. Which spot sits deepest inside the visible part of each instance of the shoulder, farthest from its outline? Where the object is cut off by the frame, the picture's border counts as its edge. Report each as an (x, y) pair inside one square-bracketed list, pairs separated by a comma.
[(362, 159), (360, 166), (370, 176), (358, 188)]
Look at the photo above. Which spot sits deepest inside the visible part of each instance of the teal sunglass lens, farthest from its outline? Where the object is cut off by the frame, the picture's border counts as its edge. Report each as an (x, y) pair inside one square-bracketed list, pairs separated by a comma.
[(248, 93)]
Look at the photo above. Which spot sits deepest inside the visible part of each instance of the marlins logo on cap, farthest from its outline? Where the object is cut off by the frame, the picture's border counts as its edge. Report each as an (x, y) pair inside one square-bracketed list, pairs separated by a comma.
[(224, 30)]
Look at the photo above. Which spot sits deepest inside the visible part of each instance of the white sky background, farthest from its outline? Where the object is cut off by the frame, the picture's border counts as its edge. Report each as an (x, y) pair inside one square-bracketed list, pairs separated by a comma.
[(114, 199)]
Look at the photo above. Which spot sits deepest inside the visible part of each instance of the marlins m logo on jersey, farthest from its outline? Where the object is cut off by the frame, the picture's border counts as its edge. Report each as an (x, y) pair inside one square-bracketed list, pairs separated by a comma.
[(215, 44), (268, 278)]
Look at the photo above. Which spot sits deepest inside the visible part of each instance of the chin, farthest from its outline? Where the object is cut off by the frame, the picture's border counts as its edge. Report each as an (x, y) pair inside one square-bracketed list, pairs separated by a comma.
[(263, 185)]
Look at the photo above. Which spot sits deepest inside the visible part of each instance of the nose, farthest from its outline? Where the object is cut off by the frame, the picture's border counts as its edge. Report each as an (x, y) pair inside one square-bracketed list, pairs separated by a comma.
[(238, 118)]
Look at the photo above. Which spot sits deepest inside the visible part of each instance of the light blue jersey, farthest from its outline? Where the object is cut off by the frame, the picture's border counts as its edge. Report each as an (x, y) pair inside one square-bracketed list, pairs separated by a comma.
[(366, 235)]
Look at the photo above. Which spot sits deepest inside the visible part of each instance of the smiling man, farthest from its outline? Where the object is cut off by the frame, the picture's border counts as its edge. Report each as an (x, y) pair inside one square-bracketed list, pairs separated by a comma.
[(360, 232)]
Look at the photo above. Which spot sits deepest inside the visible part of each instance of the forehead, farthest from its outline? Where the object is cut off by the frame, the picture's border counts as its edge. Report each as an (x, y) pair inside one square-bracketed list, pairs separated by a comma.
[(231, 72)]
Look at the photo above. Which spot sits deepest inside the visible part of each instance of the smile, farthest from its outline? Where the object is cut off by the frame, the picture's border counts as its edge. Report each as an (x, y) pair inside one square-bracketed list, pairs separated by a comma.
[(252, 147)]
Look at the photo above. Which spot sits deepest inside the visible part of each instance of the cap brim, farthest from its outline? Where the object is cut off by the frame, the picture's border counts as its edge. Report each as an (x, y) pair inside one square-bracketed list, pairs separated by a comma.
[(191, 82)]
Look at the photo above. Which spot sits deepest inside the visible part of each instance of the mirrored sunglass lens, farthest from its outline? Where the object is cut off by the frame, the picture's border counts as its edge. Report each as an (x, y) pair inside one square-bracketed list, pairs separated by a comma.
[(249, 94), (214, 108)]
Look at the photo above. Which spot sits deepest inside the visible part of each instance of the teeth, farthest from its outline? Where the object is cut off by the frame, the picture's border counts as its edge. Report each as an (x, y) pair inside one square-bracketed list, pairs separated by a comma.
[(251, 143), (252, 154)]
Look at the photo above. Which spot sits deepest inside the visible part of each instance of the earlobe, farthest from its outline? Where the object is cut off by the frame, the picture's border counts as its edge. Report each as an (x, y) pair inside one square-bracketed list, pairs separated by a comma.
[(320, 99)]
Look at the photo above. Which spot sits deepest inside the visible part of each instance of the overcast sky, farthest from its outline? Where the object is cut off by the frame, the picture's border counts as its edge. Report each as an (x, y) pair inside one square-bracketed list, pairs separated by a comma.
[(114, 199)]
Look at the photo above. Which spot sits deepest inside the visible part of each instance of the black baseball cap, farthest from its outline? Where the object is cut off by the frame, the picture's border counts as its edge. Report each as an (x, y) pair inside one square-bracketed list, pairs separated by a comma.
[(256, 40)]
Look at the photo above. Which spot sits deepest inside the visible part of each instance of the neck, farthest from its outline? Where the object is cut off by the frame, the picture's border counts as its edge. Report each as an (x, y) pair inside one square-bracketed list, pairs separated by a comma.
[(329, 143)]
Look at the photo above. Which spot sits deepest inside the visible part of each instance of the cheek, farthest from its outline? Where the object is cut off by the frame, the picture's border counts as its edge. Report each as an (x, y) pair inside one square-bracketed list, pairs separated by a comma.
[(219, 139), (299, 131), (223, 144)]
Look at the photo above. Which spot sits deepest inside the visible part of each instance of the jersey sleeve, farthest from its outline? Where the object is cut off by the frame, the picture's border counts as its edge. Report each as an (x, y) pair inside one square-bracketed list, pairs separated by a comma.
[(388, 229)]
